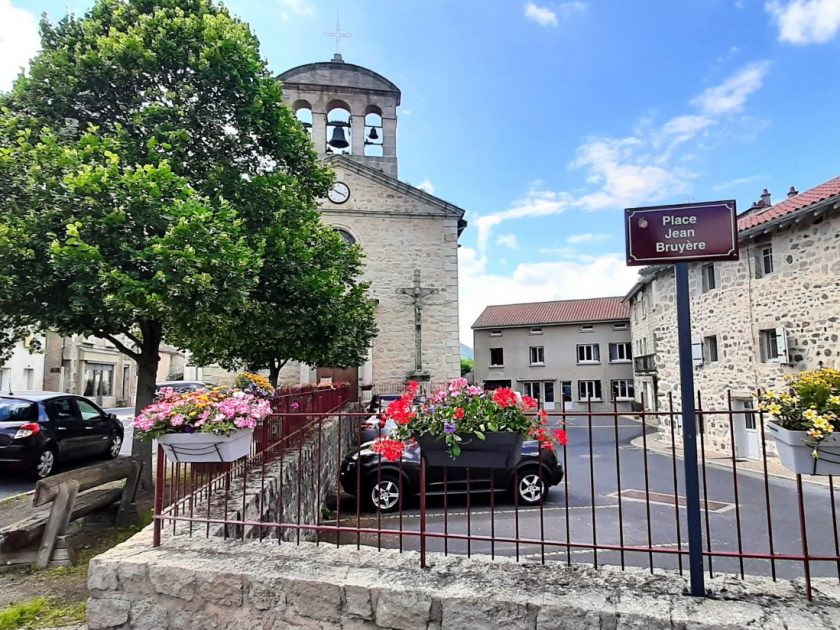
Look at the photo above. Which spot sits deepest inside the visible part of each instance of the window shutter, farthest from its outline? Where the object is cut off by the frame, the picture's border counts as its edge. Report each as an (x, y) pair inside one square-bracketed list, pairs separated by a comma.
[(697, 351), (781, 344)]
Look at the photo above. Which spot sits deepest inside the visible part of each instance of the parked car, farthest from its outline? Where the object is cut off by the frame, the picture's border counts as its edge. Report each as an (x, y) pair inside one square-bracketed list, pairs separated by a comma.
[(183, 386), (372, 427), (38, 430), (378, 479)]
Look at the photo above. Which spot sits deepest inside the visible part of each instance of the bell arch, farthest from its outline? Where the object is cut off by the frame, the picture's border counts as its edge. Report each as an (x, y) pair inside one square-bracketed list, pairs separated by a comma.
[(374, 132), (339, 138), (303, 112)]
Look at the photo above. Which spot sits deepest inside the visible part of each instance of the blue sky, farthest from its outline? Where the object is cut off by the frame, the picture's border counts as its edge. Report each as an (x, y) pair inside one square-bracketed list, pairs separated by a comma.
[(545, 119)]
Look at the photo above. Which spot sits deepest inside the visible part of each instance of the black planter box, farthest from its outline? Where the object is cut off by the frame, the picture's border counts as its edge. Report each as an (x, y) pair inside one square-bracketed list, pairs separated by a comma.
[(498, 450)]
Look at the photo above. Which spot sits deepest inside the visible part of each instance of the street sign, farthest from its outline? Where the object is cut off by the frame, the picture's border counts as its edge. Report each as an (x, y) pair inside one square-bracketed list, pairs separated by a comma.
[(693, 232)]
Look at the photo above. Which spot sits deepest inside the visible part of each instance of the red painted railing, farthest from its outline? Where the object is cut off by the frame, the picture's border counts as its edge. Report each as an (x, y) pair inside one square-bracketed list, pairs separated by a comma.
[(618, 503)]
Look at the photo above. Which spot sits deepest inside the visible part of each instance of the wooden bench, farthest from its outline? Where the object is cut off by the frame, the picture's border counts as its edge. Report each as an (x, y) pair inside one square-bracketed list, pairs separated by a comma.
[(73, 494)]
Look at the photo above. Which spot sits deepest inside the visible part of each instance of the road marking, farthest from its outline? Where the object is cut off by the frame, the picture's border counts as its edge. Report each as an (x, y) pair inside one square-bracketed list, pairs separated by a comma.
[(661, 498), (522, 511)]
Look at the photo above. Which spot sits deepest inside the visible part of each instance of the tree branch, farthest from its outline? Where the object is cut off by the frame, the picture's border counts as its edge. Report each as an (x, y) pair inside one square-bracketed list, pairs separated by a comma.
[(137, 341), (122, 347)]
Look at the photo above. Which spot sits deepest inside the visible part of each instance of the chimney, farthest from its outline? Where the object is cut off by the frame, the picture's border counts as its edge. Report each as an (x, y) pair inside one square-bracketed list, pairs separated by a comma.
[(792, 192), (765, 199)]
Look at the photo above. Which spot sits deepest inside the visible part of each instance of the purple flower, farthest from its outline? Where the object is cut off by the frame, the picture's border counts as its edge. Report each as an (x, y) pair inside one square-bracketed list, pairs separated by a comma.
[(449, 428)]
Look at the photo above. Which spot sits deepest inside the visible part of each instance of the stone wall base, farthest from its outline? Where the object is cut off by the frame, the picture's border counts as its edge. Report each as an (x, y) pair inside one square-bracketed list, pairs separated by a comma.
[(207, 584)]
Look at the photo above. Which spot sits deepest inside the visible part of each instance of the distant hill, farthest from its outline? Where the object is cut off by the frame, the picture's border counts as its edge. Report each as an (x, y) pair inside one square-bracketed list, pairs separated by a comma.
[(466, 351)]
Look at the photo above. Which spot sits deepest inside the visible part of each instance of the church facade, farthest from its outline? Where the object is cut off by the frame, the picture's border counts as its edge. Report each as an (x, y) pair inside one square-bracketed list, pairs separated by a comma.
[(409, 237)]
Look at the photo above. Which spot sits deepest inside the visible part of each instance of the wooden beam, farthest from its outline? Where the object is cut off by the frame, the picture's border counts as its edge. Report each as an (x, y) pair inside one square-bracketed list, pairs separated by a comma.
[(60, 514), (89, 477)]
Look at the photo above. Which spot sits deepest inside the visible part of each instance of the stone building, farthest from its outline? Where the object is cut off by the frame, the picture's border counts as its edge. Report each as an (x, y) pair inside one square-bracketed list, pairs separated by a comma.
[(773, 313), (24, 371), (575, 352), (409, 237)]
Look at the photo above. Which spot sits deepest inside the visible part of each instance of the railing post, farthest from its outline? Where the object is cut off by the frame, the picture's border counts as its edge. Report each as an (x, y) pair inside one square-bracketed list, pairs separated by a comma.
[(159, 481), (422, 513)]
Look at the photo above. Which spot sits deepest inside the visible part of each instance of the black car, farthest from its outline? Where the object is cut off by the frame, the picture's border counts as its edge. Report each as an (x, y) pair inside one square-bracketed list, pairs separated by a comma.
[(377, 479), (372, 428), (38, 430)]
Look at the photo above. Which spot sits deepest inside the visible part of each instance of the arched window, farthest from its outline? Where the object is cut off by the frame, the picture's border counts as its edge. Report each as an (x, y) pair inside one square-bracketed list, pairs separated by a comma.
[(348, 238), (339, 137), (303, 112), (373, 132)]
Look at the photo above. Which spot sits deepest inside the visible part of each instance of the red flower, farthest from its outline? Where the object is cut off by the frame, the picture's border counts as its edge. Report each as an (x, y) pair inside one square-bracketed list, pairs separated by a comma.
[(391, 450), (400, 411), (548, 444), (543, 414), (504, 397), (459, 413), (529, 403), (412, 388), (560, 436)]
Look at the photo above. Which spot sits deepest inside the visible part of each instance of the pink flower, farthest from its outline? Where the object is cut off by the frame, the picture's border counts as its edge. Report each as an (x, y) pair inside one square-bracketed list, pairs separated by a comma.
[(177, 420), (474, 390), (458, 384)]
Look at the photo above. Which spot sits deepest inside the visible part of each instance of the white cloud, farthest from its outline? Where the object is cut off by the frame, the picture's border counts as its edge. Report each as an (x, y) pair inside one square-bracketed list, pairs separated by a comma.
[(533, 282), (19, 41), (296, 8), (537, 203), (806, 21), (589, 237), (738, 181), (731, 95), (508, 240), (541, 15), (427, 186)]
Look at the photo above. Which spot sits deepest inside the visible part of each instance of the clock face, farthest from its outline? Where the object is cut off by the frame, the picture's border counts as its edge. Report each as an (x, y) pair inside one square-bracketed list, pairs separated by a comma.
[(340, 193)]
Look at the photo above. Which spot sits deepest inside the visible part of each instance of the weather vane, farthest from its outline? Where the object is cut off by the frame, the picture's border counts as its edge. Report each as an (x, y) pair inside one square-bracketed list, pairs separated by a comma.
[(338, 34)]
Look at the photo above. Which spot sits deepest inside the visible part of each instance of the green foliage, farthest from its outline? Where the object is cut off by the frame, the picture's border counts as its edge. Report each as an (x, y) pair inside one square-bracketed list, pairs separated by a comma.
[(40, 612), (467, 366)]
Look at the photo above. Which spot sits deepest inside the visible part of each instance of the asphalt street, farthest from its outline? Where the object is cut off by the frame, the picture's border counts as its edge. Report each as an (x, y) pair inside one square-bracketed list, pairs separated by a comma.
[(13, 482), (587, 498)]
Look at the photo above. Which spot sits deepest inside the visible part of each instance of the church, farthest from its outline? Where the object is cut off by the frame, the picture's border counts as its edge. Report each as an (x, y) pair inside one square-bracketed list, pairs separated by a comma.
[(409, 237)]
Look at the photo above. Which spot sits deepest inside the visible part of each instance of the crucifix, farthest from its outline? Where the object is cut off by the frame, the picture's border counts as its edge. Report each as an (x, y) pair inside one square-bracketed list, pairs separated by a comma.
[(338, 35), (417, 293)]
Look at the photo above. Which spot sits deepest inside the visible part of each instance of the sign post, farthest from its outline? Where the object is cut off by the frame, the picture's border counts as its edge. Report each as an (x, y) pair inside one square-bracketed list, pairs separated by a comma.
[(679, 234)]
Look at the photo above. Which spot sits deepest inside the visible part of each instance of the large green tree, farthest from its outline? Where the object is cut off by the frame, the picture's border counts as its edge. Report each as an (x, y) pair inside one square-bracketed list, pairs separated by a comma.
[(309, 306), (146, 161)]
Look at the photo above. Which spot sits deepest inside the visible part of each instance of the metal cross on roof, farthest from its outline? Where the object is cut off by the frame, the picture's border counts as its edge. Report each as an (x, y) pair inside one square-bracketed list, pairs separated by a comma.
[(338, 34)]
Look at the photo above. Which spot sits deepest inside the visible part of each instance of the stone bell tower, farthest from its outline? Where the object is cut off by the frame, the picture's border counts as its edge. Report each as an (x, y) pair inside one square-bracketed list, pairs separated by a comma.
[(349, 110)]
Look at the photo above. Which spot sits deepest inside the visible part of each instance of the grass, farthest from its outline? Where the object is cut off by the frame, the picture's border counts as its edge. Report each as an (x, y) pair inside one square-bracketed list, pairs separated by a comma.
[(41, 612)]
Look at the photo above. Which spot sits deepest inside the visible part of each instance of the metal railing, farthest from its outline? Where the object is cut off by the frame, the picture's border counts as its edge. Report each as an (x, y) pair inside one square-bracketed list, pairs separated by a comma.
[(620, 502)]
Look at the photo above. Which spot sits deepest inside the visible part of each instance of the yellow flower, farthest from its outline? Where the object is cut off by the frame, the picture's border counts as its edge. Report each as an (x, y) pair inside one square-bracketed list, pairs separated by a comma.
[(774, 408)]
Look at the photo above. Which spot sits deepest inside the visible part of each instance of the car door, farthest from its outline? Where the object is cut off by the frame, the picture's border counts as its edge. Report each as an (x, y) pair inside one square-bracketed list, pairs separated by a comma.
[(64, 415), (96, 427)]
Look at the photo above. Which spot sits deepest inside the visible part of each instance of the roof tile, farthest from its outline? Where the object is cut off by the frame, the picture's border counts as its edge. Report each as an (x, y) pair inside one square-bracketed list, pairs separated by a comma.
[(824, 191), (556, 312)]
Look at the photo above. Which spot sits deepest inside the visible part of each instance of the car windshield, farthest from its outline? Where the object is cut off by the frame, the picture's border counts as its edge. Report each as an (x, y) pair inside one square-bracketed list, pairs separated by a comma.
[(12, 410)]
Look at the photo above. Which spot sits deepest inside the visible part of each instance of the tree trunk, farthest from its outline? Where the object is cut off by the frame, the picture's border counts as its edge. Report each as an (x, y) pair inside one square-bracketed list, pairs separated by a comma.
[(147, 364), (274, 373)]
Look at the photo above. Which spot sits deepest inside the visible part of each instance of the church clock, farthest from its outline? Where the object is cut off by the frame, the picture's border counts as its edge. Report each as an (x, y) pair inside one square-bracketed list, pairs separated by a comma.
[(339, 193)]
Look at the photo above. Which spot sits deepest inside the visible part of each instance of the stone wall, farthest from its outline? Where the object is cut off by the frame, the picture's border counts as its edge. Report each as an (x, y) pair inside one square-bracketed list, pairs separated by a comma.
[(802, 295), (204, 585)]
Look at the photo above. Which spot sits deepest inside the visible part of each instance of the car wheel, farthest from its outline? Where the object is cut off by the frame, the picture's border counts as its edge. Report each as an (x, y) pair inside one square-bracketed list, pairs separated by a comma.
[(530, 488), (44, 463), (383, 493), (114, 446)]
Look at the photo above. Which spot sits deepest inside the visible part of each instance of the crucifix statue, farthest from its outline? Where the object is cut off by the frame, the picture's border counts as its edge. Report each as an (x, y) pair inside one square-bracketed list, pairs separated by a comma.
[(417, 293)]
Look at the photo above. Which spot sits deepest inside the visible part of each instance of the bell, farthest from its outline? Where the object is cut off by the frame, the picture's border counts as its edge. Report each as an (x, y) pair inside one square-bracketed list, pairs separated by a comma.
[(373, 135), (338, 140)]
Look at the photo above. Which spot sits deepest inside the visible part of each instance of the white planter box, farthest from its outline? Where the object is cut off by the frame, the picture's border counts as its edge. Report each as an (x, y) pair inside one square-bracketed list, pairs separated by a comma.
[(206, 447), (798, 457)]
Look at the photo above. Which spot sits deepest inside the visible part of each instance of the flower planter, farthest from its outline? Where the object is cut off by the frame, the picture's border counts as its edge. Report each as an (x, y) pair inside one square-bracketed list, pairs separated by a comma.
[(797, 455), (498, 450), (206, 447)]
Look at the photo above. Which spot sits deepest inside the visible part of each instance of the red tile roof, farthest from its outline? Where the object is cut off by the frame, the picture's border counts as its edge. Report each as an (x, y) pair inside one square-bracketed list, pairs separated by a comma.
[(829, 189), (557, 312)]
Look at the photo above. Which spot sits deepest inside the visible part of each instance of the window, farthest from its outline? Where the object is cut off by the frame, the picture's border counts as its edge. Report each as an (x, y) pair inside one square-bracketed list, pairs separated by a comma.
[(532, 389), (773, 345), (62, 410), (496, 333), (589, 353), (5, 380), (497, 357), (537, 355), (346, 236), (622, 389), (29, 377), (589, 390), (88, 411), (99, 379), (126, 382), (620, 326), (620, 352), (536, 331), (587, 328), (709, 280), (710, 349), (764, 264), (548, 390)]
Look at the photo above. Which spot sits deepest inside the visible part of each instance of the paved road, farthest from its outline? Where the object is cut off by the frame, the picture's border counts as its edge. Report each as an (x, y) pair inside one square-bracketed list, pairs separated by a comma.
[(13, 483), (572, 507)]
